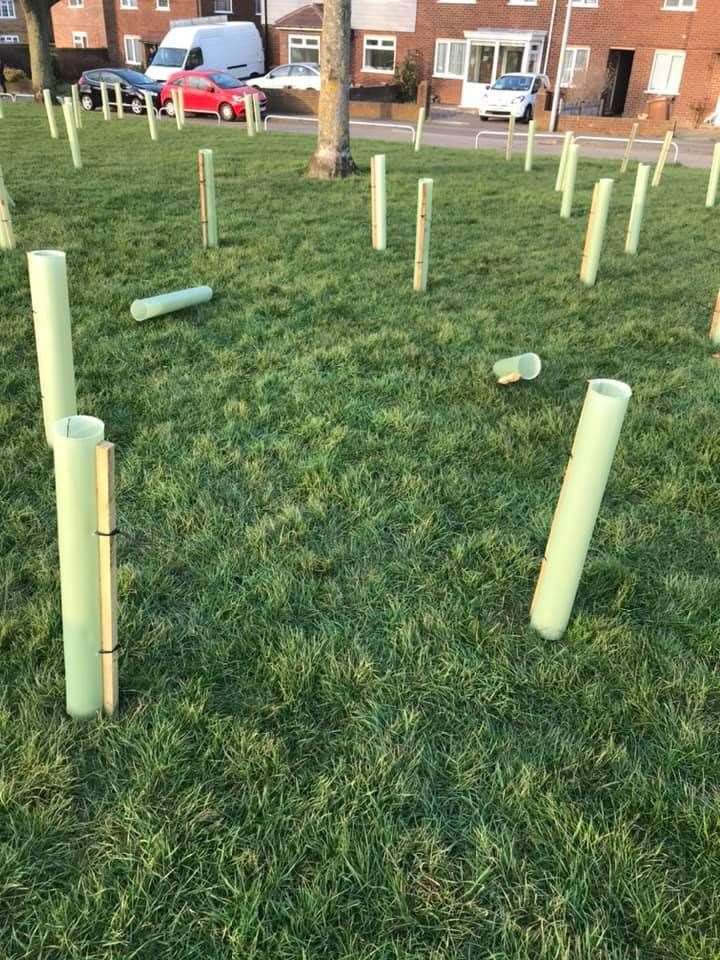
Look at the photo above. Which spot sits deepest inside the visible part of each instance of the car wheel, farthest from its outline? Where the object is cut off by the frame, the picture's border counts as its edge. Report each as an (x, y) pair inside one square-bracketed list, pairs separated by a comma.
[(226, 112), (137, 106), (86, 102), (169, 107), (528, 115)]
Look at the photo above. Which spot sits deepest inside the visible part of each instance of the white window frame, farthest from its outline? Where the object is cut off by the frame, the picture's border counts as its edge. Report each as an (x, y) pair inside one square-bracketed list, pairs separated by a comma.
[(75, 4), (303, 37), (446, 74), (8, 5), (679, 54), (585, 3), (128, 4), (378, 37), (522, 3), (9, 38), (133, 39), (223, 6), (83, 37), (163, 5), (573, 69), (680, 6)]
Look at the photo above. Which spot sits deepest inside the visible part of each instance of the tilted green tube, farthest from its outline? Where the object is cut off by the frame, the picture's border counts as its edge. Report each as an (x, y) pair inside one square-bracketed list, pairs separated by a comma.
[(53, 339), (152, 122), (419, 129), (72, 133), (577, 509), (249, 115), (526, 365), (568, 191), (714, 177), (638, 208), (74, 442), (47, 100), (105, 100), (560, 180), (77, 109), (530, 151), (169, 302), (595, 237)]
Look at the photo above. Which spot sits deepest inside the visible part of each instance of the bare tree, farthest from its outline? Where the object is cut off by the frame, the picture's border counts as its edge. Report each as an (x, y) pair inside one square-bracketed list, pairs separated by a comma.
[(39, 31), (332, 157)]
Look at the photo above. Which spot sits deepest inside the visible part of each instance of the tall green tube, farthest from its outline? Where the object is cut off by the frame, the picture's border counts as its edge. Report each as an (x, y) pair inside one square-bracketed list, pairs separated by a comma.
[(379, 202), (714, 177), (419, 129), (577, 509), (72, 133), (77, 109), (74, 442), (53, 338), (510, 137), (47, 100), (530, 150), (152, 121), (638, 208), (559, 181), (596, 231), (249, 115), (7, 234), (119, 108), (422, 235), (568, 191), (169, 302), (257, 116), (105, 100), (210, 204)]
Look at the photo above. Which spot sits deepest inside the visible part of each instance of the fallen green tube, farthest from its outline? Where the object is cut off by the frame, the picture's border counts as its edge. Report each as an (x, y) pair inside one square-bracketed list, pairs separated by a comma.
[(169, 302), (53, 338), (526, 365), (74, 442), (638, 208), (578, 506)]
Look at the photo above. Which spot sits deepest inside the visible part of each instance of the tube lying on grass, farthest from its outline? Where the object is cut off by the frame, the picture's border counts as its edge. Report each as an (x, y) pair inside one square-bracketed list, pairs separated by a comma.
[(47, 100), (595, 236), (525, 366), (568, 190), (169, 302), (578, 506), (378, 202), (72, 133), (74, 442), (53, 339), (638, 208)]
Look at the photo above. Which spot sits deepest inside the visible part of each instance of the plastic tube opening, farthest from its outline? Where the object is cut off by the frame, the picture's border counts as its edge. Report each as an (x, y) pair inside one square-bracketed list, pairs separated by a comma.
[(613, 389)]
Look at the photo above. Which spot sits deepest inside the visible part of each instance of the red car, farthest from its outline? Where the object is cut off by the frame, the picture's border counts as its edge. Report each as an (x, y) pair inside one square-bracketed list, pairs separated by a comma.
[(211, 91)]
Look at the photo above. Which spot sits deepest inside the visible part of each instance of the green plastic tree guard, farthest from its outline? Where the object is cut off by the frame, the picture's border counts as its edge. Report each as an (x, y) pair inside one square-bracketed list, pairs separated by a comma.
[(662, 159), (105, 100), (419, 129), (47, 100), (422, 235), (7, 235), (638, 208), (74, 442), (530, 149), (249, 115), (72, 133), (257, 115), (208, 209), (53, 338), (119, 108), (527, 366), (560, 180), (577, 509), (595, 237), (714, 177), (169, 302), (152, 120), (77, 109), (378, 202), (568, 190), (2, 109)]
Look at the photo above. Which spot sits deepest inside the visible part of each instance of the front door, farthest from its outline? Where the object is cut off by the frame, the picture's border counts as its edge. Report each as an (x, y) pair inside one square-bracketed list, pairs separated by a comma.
[(480, 73), (619, 68)]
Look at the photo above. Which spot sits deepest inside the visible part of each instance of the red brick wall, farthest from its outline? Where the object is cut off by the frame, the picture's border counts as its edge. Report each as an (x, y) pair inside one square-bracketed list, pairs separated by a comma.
[(89, 18), (14, 26)]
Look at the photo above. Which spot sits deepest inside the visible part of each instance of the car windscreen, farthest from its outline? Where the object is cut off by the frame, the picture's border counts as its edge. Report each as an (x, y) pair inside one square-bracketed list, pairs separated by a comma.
[(134, 77), (225, 81), (512, 83), (169, 57)]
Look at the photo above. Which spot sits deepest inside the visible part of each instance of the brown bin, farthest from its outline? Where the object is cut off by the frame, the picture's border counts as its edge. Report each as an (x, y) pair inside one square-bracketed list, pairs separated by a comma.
[(659, 108)]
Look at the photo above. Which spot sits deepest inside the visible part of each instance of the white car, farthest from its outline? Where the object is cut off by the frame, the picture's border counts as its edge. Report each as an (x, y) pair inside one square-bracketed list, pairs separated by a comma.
[(513, 94), (294, 76)]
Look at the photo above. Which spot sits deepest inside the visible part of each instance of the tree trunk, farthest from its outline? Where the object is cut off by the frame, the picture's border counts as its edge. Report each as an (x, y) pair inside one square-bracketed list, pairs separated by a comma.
[(332, 156), (37, 21)]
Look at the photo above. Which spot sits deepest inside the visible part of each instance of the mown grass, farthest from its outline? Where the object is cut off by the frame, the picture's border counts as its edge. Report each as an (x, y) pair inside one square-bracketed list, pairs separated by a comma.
[(339, 737)]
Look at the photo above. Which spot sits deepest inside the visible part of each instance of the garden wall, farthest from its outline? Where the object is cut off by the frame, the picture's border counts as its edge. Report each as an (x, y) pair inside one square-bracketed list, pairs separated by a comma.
[(305, 102), (605, 126)]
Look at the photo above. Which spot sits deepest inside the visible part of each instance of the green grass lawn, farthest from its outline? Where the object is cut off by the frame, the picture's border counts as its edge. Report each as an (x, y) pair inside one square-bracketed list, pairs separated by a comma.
[(339, 737)]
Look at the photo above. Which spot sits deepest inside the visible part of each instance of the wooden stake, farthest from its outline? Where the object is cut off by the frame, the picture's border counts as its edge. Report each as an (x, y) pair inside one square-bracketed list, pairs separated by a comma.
[(662, 159), (422, 235), (107, 561), (714, 332), (510, 137), (203, 199), (628, 148)]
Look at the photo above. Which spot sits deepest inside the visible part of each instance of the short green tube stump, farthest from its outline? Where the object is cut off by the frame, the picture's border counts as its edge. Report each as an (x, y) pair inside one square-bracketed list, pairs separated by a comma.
[(560, 180), (74, 442), (577, 509), (530, 149), (419, 129), (72, 133), (152, 120), (638, 208), (422, 235), (249, 115), (208, 210), (568, 190), (595, 236), (169, 302), (712, 189), (525, 366), (77, 109), (105, 100), (47, 100), (378, 202), (53, 339)]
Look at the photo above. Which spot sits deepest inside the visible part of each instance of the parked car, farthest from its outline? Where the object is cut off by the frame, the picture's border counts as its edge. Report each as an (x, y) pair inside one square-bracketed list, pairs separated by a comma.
[(513, 94), (294, 76), (211, 91), (235, 47), (132, 83)]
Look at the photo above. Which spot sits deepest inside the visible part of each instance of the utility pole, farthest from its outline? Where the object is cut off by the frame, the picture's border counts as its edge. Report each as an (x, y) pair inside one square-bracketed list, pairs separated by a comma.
[(561, 62)]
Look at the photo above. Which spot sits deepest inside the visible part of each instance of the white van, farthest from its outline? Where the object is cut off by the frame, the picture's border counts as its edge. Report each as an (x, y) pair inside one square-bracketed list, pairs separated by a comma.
[(235, 47)]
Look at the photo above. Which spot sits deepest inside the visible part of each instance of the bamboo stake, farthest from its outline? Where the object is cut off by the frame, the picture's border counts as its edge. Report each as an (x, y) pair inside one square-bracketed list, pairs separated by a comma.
[(249, 115), (72, 133), (107, 562), (47, 100), (419, 129), (77, 109), (563, 160), (152, 121), (119, 108), (712, 189), (714, 331), (510, 137), (662, 159), (638, 208), (595, 236), (105, 100), (208, 213), (530, 150), (378, 202), (628, 148), (422, 235), (568, 193)]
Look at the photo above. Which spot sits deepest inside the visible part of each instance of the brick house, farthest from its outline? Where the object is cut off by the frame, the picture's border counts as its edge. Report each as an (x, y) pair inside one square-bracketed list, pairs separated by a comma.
[(12, 22), (625, 52), (131, 29)]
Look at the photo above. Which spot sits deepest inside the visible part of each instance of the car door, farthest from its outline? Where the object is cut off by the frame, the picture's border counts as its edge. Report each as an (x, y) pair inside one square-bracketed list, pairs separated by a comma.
[(277, 78), (198, 96), (301, 77)]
